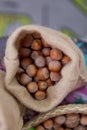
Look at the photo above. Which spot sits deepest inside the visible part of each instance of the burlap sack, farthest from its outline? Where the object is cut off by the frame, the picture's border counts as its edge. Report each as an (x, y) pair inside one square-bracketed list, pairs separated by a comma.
[(73, 74), (58, 111), (10, 111)]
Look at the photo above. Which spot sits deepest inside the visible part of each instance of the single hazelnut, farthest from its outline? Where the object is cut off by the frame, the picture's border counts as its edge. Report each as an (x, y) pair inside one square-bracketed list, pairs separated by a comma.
[(42, 85), (36, 78), (35, 54), (36, 35), (54, 66), (25, 62), (24, 52), (24, 79), (40, 95), (48, 59), (32, 87), (49, 82), (72, 120), (36, 45), (27, 40), (80, 127), (43, 73), (40, 61), (56, 54), (39, 127), (48, 124), (60, 128), (59, 120), (84, 120), (54, 76), (46, 51), (31, 70), (65, 60)]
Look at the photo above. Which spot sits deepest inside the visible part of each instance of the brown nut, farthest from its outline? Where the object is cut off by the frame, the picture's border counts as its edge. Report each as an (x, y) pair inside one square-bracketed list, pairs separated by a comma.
[(40, 127), (49, 82), (84, 120), (24, 52), (80, 127), (32, 87), (36, 78), (56, 54), (72, 120), (54, 66), (36, 35), (48, 124), (25, 62), (46, 51), (48, 59), (40, 61), (42, 85), (24, 79), (59, 120), (40, 95), (27, 40), (60, 128), (35, 54), (54, 76), (65, 60), (36, 45), (43, 73), (31, 70)]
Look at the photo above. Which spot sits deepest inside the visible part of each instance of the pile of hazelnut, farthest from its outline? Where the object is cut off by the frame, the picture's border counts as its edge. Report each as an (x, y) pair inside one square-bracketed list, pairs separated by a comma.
[(65, 122), (41, 64)]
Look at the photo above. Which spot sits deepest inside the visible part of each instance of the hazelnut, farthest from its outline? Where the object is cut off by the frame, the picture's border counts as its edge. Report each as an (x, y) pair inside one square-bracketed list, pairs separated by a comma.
[(40, 127), (43, 73), (65, 60), (36, 78), (48, 124), (32, 87), (48, 59), (72, 120), (40, 61), (54, 66), (40, 95), (84, 120), (49, 82), (59, 120), (36, 45), (24, 79), (31, 70), (54, 76), (80, 127), (25, 62), (56, 54), (27, 40), (42, 85), (60, 128), (46, 51), (35, 54), (36, 35), (24, 52)]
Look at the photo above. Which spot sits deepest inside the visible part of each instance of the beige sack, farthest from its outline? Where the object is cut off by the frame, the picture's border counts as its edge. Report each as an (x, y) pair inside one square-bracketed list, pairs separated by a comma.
[(73, 74), (10, 113), (58, 111)]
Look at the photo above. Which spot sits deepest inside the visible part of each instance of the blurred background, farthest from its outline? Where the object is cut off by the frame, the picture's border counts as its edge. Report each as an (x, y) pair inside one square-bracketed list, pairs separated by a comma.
[(69, 16)]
